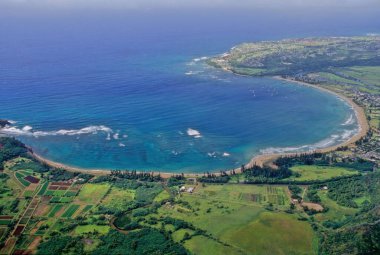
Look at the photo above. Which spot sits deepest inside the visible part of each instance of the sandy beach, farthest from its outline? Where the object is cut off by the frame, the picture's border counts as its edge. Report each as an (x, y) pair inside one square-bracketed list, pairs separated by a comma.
[(257, 160)]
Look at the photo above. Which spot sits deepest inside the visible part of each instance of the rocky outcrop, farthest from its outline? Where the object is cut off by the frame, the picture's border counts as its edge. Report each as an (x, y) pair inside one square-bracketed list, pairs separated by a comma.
[(3, 123)]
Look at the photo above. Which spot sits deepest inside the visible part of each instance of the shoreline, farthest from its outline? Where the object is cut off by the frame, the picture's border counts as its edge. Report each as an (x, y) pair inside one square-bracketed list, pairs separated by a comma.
[(262, 159), (259, 160)]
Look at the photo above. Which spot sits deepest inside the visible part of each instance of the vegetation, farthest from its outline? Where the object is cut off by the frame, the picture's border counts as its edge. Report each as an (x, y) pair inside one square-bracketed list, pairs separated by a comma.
[(116, 214), (145, 241), (290, 57), (310, 203)]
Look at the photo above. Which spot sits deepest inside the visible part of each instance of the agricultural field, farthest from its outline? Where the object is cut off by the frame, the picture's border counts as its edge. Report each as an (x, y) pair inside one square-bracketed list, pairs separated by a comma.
[(92, 193), (336, 212), (80, 230), (314, 172), (115, 213), (117, 198), (243, 209)]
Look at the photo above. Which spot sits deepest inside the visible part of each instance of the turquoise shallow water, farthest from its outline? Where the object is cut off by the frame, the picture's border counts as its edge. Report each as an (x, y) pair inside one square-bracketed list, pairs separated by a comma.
[(144, 99)]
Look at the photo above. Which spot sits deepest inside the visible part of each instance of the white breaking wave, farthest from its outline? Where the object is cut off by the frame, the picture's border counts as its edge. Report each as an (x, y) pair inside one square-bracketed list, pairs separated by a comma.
[(347, 134), (199, 59), (27, 128), (116, 136), (349, 121), (194, 133), (28, 131), (212, 154), (225, 154), (193, 72), (273, 150), (122, 145), (332, 140)]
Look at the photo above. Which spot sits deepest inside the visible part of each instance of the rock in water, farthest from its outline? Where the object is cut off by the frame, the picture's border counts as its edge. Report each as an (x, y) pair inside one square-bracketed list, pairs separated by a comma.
[(3, 123)]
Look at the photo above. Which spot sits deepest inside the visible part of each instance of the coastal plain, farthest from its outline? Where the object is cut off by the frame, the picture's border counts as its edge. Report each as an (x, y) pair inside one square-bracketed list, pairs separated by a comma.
[(312, 202)]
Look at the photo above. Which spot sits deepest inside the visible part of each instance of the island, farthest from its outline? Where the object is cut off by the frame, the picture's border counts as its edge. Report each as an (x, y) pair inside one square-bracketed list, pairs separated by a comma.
[(318, 202)]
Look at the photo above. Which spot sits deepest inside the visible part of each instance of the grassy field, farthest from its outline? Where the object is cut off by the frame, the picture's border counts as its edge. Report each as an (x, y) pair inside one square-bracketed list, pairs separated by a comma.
[(336, 212), (274, 233), (162, 196), (91, 228), (43, 188), (218, 218), (247, 227), (20, 178), (55, 209), (93, 193), (203, 245), (314, 172), (224, 218), (117, 198), (70, 211)]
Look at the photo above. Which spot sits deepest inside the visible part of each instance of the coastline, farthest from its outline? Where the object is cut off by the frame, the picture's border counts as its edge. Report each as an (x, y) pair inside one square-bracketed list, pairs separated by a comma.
[(262, 159), (259, 160)]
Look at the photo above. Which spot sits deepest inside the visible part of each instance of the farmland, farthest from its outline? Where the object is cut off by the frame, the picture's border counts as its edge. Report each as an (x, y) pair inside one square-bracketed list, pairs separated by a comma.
[(84, 214), (314, 172)]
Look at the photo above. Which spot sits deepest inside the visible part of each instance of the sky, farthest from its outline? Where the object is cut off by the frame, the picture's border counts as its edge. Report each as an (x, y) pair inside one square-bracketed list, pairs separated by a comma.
[(149, 4)]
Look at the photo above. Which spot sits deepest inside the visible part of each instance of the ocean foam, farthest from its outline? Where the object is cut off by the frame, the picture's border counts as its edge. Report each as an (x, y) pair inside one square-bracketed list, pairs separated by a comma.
[(28, 131), (349, 121), (199, 59), (27, 128), (212, 154), (332, 140), (194, 133), (193, 72)]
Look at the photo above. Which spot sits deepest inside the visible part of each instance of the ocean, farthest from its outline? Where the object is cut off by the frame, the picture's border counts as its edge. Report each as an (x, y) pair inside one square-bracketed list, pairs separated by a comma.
[(116, 90)]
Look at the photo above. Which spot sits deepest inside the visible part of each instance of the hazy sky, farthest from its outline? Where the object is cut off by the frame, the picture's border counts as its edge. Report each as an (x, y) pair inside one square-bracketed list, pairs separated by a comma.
[(148, 4)]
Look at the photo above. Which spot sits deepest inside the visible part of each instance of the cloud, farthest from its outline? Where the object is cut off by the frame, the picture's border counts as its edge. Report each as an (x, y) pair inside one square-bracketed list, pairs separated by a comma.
[(149, 4)]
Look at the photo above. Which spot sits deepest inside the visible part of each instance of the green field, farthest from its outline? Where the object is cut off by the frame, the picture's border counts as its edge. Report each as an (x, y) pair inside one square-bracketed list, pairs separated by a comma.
[(20, 178), (336, 212), (5, 222), (43, 188), (274, 233), (87, 208), (54, 210), (91, 228), (223, 218), (70, 211), (28, 193), (162, 196), (117, 198), (245, 194), (314, 172), (247, 227), (92, 193), (203, 245)]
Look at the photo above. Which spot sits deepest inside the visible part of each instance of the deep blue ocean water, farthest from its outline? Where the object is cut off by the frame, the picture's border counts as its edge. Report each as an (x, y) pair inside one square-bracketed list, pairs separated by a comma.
[(131, 90)]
